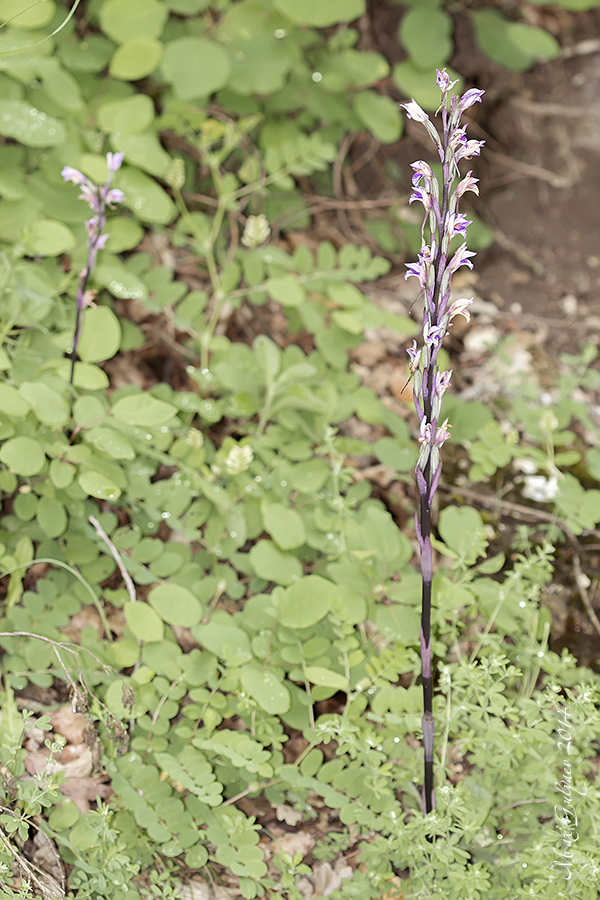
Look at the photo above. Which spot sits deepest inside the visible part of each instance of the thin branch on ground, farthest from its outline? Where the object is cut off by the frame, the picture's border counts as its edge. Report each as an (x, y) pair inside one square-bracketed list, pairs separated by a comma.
[(115, 554)]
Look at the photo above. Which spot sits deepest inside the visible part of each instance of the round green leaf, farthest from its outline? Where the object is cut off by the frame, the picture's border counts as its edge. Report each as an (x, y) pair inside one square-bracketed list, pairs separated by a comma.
[(397, 454), (130, 116), (326, 678), (100, 335), (380, 115), (228, 642), (145, 197), (90, 54), (123, 234), (462, 530), (87, 376), (143, 150), (64, 816), (136, 58), (49, 406), (513, 45), (29, 125), (145, 623), (123, 284), (96, 484), (61, 473), (285, 526), (51, 517), (320, 13), (286, 290), (27, 15), (268, 690), (306, 602), (48, 238), (427, 35), (83, 837), (196, 67), (143, 409), (111, 441), (24, 455), (176, 605), (122, 18), (271, 564), (12, 402)]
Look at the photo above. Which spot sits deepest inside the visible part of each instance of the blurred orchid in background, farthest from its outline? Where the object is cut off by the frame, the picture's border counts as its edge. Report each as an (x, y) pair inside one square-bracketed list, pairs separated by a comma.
[(100, 199)]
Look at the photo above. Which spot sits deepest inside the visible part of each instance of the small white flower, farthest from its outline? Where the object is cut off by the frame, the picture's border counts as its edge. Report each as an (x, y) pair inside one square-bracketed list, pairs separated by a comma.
[(540, 489), (238, 459), (257, 231), (195, 438)]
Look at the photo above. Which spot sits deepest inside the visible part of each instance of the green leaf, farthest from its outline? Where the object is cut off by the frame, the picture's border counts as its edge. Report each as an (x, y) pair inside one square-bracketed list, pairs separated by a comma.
[(130, 116), (271, 564), (145, 623), (100, 335), (260, 63), (24, 455), (124, 234), (463, 531), (120, 19), (51, 517), (136, 58), (513, 45), (64, 816), (61, 473), (319, 13), (395, 453), (228, 642), (145, 197), (29, 125), (176, 605), (286, 290), (143, 409), (49, 406), (123, 284), (353, 69), (268, 356), (400, 623), (48, 238), (326, 678), (380, 114), (27, 15), (99, 485), (143, 150), (87, 54), (285, 526), (196, 67), (267, 689), (111, 442), (427, 36), (60, 85), (306, 602)]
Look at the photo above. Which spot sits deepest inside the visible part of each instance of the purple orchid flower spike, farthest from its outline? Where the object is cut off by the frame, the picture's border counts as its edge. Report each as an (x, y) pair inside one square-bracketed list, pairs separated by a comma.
[(100, 199), (434, 271)]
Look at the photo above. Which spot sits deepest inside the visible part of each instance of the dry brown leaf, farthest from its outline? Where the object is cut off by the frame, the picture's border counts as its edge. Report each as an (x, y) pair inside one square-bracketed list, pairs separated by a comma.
[(298, 842), (71, 725), (287, 814), (82, 791), (75, 760)]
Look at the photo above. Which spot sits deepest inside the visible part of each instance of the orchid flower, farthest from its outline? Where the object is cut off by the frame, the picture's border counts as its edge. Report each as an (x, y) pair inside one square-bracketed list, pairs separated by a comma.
[(434, 271)]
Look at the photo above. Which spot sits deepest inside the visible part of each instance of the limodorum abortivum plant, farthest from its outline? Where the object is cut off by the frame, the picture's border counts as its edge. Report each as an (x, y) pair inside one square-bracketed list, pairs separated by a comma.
[(434, 269)]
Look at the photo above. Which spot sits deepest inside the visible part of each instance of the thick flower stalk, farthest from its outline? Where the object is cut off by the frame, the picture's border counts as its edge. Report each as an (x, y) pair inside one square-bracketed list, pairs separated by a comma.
[(434, 270), (100, 199)]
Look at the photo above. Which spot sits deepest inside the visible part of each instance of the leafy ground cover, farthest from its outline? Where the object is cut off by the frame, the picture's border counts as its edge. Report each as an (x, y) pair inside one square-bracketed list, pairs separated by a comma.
[(210, 612)]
